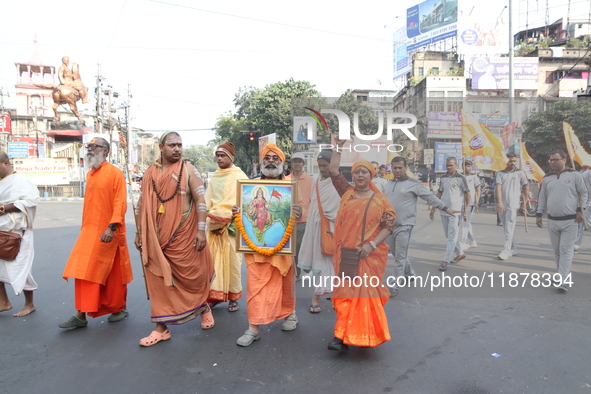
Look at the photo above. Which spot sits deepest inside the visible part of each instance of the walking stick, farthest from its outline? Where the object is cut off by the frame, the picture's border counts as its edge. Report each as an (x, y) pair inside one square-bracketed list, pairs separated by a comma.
[(128, 176), (525, 221)]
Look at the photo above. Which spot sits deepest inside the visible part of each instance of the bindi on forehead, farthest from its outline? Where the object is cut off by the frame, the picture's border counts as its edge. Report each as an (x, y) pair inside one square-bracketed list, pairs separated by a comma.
[(174, 139)]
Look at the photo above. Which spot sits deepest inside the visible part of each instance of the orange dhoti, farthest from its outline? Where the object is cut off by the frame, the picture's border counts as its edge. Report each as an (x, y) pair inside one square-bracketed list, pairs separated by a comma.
[(98, 300), (270, 288)]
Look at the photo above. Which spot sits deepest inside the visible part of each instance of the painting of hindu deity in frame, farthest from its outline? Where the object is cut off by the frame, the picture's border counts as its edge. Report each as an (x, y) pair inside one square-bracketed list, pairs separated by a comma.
[(266, 216)]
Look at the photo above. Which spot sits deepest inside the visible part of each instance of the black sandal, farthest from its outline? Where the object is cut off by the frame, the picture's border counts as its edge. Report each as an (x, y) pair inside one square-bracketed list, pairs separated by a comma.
[(233, 306)]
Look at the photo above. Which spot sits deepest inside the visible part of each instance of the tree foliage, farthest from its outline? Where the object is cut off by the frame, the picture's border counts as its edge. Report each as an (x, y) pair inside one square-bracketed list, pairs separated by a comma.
[(202, 156), (543, 130)]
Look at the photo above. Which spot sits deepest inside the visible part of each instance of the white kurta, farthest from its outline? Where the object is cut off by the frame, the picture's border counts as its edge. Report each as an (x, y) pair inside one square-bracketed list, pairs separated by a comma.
[(311, 257), (18, 190)]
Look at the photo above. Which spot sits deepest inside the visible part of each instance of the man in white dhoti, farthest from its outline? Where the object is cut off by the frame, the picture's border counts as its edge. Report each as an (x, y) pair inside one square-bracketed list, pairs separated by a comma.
[(311, 257), (18, 203)]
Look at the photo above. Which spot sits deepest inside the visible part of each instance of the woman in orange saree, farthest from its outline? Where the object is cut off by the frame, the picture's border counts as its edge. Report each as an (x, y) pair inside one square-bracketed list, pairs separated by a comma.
[(359, 301)]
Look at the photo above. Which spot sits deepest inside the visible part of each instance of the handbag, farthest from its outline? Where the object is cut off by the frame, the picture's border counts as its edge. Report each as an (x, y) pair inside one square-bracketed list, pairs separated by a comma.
[(10, 245), (349, 266), (326, 236)]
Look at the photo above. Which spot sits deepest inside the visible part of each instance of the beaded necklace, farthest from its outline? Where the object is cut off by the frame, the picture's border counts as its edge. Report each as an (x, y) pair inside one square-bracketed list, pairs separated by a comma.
[(176, 190)]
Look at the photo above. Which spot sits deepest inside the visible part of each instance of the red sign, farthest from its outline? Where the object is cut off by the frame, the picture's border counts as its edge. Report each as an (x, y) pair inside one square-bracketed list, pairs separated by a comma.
[(33, 144), (508, 134), (5, 124)]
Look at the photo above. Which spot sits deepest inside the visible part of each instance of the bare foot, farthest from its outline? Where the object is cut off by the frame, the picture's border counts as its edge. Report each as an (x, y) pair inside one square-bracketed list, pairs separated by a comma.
[(5, 307), (27, 310)]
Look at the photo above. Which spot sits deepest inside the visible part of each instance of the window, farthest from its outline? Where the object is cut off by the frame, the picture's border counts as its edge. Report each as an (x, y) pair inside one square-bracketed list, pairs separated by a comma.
[(438, 106), (455, 93), (435, 71), (421, 71), (436, 93), (454, 106)]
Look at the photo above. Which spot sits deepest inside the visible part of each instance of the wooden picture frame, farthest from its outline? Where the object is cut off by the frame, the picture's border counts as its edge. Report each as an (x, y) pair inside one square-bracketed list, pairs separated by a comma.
[(265, 211)]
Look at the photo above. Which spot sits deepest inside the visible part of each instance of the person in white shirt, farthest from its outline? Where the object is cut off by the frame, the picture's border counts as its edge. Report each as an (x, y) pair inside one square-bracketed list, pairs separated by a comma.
[(510, 184), (468, 240)]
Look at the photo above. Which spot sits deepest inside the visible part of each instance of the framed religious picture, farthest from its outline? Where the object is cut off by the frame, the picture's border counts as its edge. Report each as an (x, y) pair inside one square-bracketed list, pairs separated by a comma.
[(266, 223)]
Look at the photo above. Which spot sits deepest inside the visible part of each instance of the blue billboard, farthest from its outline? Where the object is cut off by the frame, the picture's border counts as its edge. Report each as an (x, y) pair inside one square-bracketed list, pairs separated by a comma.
[(444, 150), (431, 21), (18, 149)]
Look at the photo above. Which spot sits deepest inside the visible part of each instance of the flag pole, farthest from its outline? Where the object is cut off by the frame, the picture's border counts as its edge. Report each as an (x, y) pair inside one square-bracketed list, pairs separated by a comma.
[(572, 163), (128, 176)]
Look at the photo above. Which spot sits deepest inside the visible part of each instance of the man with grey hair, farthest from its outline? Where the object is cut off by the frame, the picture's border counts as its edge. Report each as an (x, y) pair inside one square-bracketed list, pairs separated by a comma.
[(560, 195), (454, 192), (100, 262), (270, 280)]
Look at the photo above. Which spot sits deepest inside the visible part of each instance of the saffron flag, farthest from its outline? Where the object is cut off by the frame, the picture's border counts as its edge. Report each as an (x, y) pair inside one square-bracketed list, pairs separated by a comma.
[(574, 147), (508, 134), (477, 140), (276, 194), (531, 168)]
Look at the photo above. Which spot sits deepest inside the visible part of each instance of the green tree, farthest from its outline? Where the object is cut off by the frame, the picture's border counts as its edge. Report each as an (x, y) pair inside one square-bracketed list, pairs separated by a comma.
[(543, 130), (202, 156)]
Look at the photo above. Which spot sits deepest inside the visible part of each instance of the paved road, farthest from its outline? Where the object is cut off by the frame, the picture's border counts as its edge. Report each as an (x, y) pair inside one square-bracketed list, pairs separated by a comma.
[(442, 338)]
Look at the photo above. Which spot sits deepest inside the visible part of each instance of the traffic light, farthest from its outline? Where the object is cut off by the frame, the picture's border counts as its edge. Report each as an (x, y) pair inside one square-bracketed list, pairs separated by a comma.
[(251, 136)]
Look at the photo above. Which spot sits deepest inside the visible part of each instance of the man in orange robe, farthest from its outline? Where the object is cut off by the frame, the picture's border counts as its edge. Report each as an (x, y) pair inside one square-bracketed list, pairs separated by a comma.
[(100, 261), (178, 265), (270, 280)]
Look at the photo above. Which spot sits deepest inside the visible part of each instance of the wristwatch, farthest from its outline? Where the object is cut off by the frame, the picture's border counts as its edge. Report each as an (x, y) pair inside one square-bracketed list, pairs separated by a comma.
[(113, 226)]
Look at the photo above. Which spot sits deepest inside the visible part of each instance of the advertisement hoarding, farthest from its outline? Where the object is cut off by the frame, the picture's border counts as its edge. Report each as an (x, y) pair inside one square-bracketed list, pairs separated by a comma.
[(18, 149), (444, 150), (5, 124), (43, 171), (493, 73), (479, 32), (444, 124), (401, 58), (431, 21), (304, 130)]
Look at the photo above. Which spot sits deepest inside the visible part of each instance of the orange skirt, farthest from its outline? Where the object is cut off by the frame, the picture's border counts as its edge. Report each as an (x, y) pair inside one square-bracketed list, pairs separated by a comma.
[(361, 322)]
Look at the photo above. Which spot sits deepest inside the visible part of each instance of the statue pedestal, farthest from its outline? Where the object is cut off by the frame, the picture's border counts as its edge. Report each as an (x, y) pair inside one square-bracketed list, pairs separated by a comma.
[(67, 125)]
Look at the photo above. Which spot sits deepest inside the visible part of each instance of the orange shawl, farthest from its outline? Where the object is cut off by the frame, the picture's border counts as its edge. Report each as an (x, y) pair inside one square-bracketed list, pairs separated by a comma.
[(168, 238)]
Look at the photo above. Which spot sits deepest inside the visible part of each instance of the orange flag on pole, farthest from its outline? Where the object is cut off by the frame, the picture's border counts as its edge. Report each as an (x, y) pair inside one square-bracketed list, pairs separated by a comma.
[(574, 147), (531, 168), (477, 140)]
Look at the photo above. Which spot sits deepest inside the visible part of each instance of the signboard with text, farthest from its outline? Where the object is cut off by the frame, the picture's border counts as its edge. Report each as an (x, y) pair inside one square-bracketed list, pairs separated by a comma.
[(431, 21), (444, 150), (43, 171), (444, 124), (18, 149), (493, 73)]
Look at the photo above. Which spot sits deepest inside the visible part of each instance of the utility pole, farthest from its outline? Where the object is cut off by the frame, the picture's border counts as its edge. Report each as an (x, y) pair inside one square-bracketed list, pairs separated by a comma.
[(511, 68), (99, 100), (128, 122), (3, 121)]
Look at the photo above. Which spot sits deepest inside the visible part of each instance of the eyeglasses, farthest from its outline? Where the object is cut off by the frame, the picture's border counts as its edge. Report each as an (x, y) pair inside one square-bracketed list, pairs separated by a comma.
[(269, 158), (94, 146), (555, 160)]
